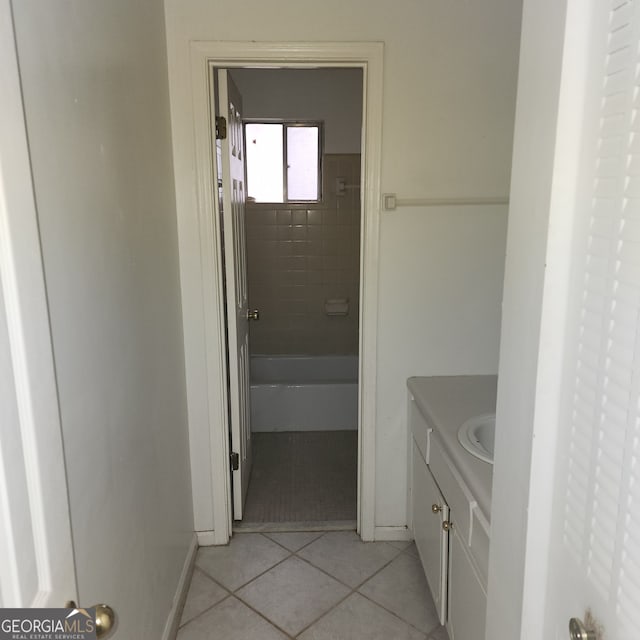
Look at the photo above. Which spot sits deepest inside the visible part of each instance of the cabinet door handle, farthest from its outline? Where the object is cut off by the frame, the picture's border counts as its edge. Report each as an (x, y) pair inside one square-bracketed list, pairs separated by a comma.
[(447, 525), (435, 508)]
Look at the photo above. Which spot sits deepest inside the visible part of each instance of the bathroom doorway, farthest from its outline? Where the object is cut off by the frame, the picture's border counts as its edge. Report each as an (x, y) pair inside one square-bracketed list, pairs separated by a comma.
[(298, 457)]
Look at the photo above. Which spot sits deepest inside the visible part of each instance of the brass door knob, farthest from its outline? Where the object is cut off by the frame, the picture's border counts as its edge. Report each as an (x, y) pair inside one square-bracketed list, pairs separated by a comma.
[(253, 315), (577, 630), (447, 525), (105, 618), (435, 508)]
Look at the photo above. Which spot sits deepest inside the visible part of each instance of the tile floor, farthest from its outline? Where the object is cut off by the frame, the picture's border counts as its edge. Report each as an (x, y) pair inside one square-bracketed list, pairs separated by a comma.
[(303, 476), (311, 586)]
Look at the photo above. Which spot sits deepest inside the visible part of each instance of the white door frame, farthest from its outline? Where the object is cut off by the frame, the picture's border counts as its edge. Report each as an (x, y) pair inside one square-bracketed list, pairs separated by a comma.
[(206, 56)]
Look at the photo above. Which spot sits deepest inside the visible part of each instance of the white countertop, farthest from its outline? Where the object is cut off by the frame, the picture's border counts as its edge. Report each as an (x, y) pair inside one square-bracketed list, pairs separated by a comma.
[(448, 401)]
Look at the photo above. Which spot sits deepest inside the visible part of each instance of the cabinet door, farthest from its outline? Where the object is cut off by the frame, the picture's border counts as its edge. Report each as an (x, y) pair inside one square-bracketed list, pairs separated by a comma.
[(431, 539), (467, 597)]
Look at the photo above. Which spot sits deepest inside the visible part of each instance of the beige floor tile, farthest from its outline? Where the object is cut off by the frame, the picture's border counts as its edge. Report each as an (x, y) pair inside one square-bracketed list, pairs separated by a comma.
[(401, 587), (229, 620), (245, 557), (439, 634), (293, 594), (360, 619), (203, 593), (399, 544), (343, 555), (294, 541)]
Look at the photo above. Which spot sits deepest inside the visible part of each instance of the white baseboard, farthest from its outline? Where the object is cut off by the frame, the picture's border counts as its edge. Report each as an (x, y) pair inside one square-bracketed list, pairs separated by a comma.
[(206, 538), (173, 620), (392, 533)]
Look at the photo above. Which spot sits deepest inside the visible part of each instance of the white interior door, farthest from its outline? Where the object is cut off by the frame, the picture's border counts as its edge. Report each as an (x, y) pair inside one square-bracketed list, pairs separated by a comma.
[(36, 555), (235, 257), (593, 563)]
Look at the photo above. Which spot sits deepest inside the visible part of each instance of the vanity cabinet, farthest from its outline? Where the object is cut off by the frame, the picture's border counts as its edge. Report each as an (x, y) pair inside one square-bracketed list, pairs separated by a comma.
[(430, 511), (450, 530), (467, 593)]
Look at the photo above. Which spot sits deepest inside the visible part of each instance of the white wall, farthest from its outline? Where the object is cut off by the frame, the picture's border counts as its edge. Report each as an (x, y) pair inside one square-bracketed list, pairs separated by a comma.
[(97, 112), (331, 95), (450, 78), (439, 311)]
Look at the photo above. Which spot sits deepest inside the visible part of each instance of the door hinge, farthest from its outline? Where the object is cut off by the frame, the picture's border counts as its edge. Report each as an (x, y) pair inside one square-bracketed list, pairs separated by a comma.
[(221, 128), (235, 461)]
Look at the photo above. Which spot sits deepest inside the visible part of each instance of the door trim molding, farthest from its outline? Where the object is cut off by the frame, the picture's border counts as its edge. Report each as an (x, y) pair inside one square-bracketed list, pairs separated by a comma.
[(207, 271)]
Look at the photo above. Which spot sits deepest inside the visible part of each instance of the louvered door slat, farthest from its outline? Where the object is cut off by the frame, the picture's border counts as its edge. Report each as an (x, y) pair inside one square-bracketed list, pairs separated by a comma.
[(601, 509)]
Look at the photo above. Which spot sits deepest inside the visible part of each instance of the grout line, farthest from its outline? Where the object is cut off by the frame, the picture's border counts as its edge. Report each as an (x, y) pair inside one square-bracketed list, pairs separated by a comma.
[(361, 584), (326, 613), (396, 615), (215, 604), (364, 595), (264, 617), (244, 584), (354, 590), (229, 592), (351, 590), (320, 534), (366, 579), (259, 575), (233, 594)]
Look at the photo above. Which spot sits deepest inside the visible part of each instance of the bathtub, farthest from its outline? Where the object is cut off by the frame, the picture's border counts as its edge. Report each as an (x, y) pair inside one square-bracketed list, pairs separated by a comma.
[(304, 393)]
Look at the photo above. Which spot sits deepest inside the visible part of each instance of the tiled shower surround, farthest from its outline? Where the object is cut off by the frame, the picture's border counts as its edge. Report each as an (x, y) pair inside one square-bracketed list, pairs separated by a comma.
[(298, 257)]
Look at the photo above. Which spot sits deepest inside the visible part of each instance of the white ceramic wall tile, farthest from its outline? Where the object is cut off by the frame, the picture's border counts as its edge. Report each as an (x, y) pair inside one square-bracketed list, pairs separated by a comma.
[(290, 247)]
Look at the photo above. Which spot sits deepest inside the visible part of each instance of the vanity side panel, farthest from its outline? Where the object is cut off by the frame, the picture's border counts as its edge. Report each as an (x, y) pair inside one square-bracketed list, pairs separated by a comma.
[(467, 595)]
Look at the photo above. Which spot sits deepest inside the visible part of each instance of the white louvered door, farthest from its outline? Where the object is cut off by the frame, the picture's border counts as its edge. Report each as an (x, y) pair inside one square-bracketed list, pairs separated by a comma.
[(594, 560), (230, 106)]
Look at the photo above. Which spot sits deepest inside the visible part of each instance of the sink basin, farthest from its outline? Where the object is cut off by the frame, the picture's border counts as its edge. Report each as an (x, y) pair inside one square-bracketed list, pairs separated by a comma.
[(477, 434)]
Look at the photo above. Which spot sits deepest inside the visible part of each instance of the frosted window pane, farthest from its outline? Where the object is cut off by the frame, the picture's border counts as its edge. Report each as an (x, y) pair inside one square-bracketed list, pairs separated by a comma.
[(264, 162), (302, 161)]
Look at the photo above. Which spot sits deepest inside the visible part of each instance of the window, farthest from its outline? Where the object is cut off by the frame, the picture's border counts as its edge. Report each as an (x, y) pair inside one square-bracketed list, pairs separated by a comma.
[(283, 161)]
